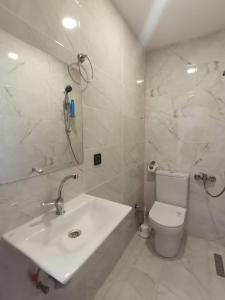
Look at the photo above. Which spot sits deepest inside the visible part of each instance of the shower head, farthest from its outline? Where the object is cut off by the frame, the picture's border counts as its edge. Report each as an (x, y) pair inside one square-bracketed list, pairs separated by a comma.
[(68, 89)]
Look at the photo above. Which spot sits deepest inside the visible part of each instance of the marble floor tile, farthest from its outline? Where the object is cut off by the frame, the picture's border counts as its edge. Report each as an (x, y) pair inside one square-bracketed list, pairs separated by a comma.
[(163, 293), (140, 274)]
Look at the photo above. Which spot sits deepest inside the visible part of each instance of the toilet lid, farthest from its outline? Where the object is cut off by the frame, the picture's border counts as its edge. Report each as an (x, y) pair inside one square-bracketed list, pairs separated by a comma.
[(167, 215)]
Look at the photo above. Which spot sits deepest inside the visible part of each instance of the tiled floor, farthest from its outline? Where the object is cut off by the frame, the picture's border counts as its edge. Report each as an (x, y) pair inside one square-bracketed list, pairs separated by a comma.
[(142, 275)]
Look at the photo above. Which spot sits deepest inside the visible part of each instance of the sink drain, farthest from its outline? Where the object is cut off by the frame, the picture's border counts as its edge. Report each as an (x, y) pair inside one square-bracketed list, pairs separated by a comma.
[(75, 233)]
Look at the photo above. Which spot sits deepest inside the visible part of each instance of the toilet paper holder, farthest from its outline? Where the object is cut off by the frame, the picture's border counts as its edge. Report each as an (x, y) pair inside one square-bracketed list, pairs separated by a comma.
[(152, 167)]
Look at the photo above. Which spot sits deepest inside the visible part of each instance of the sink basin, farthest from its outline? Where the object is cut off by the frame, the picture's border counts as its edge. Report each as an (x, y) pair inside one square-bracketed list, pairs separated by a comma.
[(60, 245)]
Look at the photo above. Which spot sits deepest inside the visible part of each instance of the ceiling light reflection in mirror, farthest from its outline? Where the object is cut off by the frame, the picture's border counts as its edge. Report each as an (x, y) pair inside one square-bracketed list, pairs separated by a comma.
[(191, 69), (13, 55), (69, 23)]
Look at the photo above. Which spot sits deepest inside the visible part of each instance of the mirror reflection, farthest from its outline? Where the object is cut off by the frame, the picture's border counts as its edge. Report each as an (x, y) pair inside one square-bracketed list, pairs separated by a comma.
[(40, 123)]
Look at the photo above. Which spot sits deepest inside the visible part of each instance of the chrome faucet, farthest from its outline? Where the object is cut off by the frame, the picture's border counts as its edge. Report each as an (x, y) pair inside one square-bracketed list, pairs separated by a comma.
[(59, 202)]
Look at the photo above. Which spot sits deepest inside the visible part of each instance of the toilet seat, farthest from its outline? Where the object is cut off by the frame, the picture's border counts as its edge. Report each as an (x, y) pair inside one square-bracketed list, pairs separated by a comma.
[(167, 215)]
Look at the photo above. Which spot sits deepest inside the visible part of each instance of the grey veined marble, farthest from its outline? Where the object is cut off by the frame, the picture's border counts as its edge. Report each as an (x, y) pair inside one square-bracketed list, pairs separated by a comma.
[(32, 131), (141, 275), (185, 123)]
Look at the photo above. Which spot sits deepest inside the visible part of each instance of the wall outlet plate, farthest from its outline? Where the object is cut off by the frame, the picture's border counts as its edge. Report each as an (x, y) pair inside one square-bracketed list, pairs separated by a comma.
[(97, 159)]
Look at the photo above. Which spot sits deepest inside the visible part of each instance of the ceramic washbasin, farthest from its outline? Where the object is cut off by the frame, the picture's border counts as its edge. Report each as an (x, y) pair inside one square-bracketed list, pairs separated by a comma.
[(60, 245)]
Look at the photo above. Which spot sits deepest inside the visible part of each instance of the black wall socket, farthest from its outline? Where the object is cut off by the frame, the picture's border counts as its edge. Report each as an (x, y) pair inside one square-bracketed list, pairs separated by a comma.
[(97, 159)]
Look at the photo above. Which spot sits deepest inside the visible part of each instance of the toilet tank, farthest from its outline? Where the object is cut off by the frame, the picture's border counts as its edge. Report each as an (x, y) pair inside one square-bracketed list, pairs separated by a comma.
[(172, 188)]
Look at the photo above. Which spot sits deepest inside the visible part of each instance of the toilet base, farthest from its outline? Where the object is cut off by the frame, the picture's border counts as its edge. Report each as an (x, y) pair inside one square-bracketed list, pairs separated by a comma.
[(167, 246)]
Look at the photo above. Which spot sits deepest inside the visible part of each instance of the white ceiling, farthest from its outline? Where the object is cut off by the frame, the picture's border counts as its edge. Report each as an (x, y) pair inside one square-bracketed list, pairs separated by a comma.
[(162, 22)]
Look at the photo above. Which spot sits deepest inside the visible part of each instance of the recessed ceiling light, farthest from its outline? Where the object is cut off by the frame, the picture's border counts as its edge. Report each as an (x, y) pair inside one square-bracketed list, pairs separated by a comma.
[(192, 69), (139, 81), (13, 55), (69, 23)]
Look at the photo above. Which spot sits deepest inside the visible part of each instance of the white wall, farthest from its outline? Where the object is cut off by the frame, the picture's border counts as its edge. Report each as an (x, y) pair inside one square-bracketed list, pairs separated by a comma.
[(185, 123), (113, 115)]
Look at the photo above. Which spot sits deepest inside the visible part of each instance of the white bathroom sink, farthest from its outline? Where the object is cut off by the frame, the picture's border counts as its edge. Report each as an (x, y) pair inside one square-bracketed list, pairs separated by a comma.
[(45, 239)]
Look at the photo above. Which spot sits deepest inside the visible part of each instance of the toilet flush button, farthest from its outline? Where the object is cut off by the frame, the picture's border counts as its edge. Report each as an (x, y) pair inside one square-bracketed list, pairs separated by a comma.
[(179, 214)]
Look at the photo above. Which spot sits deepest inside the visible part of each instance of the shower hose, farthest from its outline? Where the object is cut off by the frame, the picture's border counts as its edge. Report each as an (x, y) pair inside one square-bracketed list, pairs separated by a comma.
[(211, 195)]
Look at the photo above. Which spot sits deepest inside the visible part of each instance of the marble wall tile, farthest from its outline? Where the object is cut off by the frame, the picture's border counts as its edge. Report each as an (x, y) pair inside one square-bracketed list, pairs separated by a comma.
[(28, 34), (113, 110), (133, 185), (47, 19), (111, 166), (101, 128), (133, 101), (133, 154), (184, 124), (31, 118), (134, 57), (133, 129), (105, 92), (111, 189), (107, 53)]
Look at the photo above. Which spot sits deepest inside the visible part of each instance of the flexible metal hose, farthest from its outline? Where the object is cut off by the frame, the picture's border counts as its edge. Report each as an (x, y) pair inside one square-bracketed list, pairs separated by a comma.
[(211, 195)]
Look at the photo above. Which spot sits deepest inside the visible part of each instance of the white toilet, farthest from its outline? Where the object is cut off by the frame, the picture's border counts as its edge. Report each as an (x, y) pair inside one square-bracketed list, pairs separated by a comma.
[(168, 213)]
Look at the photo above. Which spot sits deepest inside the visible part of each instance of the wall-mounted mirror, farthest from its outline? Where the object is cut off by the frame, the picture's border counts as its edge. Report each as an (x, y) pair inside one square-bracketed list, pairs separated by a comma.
[(32, 109)]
